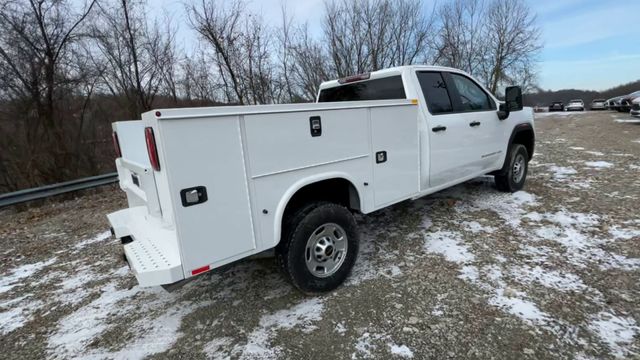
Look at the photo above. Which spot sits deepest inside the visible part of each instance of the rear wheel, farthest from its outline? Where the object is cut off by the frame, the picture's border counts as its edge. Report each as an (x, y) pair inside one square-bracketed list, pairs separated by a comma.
[(319, 247), (513, 177)]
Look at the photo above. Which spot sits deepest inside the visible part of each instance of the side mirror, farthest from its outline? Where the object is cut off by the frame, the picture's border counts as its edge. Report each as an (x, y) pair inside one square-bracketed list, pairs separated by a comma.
[(513, 98), (512, 102)]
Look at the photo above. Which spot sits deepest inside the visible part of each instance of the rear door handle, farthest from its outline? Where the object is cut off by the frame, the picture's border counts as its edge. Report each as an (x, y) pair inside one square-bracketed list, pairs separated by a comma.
[(439, 128), (474, 124)]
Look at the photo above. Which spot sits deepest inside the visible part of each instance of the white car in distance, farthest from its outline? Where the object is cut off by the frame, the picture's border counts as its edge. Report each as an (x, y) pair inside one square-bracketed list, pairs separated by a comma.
[(575, 105)]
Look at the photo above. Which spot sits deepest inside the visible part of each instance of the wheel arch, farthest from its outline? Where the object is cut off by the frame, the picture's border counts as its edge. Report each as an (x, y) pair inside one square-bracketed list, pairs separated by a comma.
[(524, 134), (315, 188)]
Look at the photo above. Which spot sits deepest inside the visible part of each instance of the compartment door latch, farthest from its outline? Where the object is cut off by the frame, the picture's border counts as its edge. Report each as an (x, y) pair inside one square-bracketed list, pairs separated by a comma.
[(315, 125), (193, 196)]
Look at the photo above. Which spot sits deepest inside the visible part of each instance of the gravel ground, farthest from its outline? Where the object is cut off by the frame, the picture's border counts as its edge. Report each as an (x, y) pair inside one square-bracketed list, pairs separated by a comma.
[(549, 272)]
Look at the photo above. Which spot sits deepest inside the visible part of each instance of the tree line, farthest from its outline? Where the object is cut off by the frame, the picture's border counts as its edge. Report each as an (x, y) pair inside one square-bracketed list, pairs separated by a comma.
[(69, 68)]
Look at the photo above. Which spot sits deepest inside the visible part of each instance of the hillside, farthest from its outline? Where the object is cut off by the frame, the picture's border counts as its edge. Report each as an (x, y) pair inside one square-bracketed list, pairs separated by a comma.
[(544, 98)]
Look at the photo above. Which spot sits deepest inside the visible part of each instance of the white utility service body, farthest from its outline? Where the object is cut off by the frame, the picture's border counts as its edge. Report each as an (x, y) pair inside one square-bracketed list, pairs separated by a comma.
[(240, 166)]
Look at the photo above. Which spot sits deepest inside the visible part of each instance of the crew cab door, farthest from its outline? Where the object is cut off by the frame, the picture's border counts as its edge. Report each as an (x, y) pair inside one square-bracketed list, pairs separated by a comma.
[(463, 127), (478, 109), (450, 136)]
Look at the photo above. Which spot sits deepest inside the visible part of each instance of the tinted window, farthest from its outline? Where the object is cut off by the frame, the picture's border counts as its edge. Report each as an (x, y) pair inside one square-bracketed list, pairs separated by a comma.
[(472, 97), (435, 92), (378, 89)]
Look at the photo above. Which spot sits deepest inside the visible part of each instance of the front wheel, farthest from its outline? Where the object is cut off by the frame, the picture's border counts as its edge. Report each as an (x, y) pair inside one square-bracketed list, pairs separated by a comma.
[(513, 177), (319, 247)]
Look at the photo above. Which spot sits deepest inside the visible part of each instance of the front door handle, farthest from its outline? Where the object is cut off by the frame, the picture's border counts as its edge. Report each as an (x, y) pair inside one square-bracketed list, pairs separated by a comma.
[(439, 128), (474, 124)]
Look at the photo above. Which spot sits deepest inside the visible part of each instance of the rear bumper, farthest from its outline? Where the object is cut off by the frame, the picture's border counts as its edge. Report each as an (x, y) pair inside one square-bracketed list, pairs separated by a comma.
[(153, 255)]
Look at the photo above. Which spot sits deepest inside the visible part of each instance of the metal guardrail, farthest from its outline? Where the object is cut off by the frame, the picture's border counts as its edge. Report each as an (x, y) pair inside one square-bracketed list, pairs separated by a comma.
[(42, 192)]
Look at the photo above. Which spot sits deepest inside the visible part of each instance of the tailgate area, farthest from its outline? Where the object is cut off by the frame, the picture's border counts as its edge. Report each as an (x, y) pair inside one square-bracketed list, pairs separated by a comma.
[(153, 255)]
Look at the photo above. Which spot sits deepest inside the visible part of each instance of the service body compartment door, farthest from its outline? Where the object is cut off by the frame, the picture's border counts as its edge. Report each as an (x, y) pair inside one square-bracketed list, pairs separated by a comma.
[(395, 150), (207, 153)]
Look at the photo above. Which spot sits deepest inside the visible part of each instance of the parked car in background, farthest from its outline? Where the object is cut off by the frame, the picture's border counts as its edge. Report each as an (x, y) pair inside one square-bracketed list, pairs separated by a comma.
[(626, 101), (556, 106), (575, 105), (598, 104), (635, 107), (614, 103)]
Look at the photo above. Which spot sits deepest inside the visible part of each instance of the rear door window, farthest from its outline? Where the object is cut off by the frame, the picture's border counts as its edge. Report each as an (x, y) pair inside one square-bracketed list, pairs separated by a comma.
[(435, 92), (378, 89)]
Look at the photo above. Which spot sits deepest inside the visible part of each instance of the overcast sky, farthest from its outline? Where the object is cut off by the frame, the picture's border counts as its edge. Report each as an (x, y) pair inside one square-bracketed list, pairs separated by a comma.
[(588, 44)]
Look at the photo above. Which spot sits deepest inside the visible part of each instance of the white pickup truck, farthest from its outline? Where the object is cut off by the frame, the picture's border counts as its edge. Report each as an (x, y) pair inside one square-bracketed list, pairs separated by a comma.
[(208, 186)]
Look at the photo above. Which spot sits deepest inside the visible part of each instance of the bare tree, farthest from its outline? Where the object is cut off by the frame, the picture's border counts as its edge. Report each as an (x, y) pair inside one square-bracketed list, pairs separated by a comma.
[(139, 58), (242, 46), (310, 66), (461, 42), (512, 42), (36, 40), (368, 35)]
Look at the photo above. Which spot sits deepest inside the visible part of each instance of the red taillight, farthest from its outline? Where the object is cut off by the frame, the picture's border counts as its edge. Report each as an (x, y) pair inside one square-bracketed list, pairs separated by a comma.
[(151, 148), (116, 144)]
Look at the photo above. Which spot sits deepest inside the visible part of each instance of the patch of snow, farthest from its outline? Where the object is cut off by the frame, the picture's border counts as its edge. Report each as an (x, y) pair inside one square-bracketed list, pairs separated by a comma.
[(576, 148), (561, 172), (15, 276), (547, 277), (448, 244), (18, 314), (475, 227), (78, 329), (303, 314), (340, 328), (624, 234), (615, 331), (469, 273), (155, 335), (596, 153), (215, 347), (98, 238), (598, 164), (631, 121), (401, 350)]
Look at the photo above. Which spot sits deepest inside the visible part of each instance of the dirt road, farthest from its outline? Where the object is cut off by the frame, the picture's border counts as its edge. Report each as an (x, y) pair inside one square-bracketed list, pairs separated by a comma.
[(549, 272)]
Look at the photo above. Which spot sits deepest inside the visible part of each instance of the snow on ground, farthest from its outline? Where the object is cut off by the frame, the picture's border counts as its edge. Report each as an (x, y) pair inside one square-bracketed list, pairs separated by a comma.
[(596, 153), (630, 121), (301, 315), (401, 351), (17, 276), (617, 332), (19, 312), (562, 172), (598, 164), (557, 114), (505, 281), (105, 235)]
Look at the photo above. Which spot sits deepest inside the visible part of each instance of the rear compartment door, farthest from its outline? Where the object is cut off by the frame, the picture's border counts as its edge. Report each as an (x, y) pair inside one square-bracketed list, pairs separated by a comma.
[(208, 153), (134, 170)]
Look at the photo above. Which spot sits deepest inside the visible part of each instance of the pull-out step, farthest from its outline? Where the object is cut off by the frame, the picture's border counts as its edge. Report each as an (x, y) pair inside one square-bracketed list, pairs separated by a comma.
[(153, 255)]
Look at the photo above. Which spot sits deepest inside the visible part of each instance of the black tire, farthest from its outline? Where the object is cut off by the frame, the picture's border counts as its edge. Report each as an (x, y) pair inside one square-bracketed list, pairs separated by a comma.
[(291, 252), (507, 180)]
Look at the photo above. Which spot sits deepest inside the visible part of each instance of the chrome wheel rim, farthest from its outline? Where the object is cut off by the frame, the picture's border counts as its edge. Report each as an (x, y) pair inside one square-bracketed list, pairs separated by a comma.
[(519, 168), (326, 250)]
